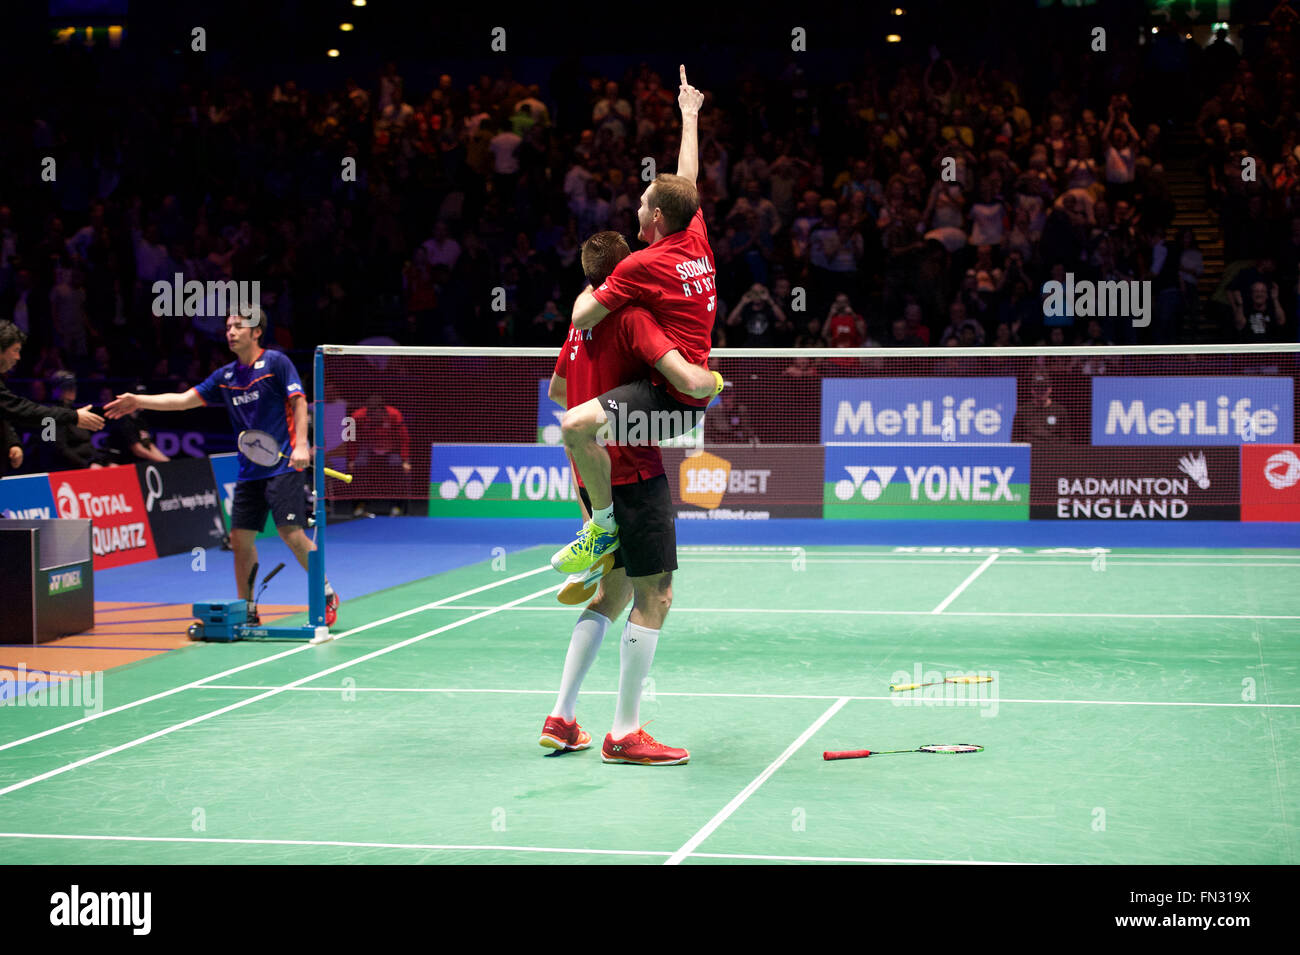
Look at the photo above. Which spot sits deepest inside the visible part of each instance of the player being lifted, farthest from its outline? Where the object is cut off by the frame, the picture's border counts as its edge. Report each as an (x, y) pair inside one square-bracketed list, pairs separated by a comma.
[(625, 347), (261, 391), (674, 279)]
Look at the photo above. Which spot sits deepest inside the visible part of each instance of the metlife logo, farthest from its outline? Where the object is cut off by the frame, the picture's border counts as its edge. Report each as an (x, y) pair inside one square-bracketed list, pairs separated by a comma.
[(1187, 411), (908, 410), (500, 480), (927, 482)]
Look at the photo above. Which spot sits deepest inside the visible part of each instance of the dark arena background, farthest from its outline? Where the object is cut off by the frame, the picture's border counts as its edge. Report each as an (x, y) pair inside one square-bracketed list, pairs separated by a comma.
[(1003, 300)]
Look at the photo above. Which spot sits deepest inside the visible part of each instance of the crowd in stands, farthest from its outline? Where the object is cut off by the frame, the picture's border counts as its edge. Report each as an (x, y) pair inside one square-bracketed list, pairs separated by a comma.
[(919, 205)]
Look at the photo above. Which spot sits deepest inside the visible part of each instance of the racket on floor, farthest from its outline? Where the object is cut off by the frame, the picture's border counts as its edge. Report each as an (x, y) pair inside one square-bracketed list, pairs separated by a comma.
[(932, 748), (900, 687), (260, 448)]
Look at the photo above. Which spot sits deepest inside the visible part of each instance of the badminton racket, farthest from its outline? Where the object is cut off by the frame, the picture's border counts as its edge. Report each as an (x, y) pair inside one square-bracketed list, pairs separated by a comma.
[(900, 687), (932, 748), (260, 448)]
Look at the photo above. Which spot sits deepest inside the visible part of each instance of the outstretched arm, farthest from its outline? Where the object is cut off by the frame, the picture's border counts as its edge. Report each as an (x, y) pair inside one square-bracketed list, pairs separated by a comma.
[(689, 99), (129, 403)]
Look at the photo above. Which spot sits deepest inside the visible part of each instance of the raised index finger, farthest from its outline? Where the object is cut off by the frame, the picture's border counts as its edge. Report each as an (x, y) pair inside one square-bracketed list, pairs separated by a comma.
[(682, 67)]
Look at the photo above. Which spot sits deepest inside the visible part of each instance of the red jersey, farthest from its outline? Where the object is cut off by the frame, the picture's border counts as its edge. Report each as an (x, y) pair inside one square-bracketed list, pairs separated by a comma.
[(615, 352), (674, 279)]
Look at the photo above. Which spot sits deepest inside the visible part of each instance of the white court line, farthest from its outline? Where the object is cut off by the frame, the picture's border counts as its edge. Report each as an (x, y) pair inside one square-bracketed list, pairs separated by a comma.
[(965, 583), (689, 846), (256, 663), (332, 843), (965, 701), (760, 858), (976, 553), (263, 696), (925, 613), (1005, 562), (428, 847)]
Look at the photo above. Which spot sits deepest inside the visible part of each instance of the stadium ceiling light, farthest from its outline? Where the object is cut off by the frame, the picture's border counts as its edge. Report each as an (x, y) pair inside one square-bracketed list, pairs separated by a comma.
[(893, 38), (358, 3), (899, 11), (345, 27), (332, 53)]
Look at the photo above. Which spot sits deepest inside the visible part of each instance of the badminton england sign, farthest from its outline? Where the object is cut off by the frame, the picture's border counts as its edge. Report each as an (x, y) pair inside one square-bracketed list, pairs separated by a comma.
[(1192, 411), (906, 410), (1118, 484), (500, 480)]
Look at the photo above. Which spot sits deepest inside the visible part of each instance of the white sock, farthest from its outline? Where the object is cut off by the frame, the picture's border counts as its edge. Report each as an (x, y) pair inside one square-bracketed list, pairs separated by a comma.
[(637, 653), (604, 518), (588, 633)]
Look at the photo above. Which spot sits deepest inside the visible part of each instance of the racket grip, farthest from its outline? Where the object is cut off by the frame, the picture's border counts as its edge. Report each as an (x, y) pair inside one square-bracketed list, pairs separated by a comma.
[(345, 478), (847, 754), (899, 688)]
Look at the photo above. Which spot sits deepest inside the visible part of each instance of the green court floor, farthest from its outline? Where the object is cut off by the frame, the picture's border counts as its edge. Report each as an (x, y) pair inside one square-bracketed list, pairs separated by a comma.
[(1140, 712)]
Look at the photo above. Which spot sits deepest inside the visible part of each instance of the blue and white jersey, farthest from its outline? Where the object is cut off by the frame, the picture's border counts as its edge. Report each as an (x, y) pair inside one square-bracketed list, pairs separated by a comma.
[(258, 396)]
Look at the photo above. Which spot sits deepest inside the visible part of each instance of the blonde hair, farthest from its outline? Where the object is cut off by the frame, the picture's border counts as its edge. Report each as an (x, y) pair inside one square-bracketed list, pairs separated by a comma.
[(675, 197)]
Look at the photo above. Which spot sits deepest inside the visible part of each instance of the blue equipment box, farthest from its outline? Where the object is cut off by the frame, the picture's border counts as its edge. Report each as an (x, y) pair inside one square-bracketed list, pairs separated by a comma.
[(219, 618)]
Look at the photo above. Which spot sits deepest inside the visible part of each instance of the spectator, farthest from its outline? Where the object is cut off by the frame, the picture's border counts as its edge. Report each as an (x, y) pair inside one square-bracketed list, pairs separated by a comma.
[(900, 334), (1041, 419), (441, 249), (763, 320), (128, 439), (380, 458), (17, 412), (844, 328), (1259, 317)]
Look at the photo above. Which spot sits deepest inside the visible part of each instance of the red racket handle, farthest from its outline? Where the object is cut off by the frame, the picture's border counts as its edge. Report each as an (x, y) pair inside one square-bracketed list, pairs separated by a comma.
[(847, 754)]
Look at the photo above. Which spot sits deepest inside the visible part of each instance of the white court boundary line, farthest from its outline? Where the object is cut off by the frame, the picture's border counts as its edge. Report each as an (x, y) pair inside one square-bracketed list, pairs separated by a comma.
[(924, 613), (972, 553), (423, 847), (965, 701), (263, 696), (966, 583), (256, 663), (725, 812), (1007, 561)]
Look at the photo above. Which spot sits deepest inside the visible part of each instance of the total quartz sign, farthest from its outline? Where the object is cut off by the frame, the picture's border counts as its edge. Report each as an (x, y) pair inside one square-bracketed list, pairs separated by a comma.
[(110, 498)]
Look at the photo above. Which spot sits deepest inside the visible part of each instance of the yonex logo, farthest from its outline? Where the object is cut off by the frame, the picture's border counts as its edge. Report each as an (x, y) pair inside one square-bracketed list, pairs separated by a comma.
[(474, 489), (862, 479), (979, 483), (1282, 470), (533, 483)]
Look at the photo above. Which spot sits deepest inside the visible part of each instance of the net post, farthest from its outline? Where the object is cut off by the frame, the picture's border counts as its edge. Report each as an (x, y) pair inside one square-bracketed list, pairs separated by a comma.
[(316, 559)]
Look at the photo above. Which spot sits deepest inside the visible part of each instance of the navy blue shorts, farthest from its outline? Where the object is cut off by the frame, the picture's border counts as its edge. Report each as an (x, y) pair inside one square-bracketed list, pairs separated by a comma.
[(284, 497)]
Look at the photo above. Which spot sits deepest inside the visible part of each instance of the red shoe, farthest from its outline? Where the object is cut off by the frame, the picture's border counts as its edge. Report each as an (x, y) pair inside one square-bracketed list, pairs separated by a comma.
[(641, 748), (331, 608), (564, 735)]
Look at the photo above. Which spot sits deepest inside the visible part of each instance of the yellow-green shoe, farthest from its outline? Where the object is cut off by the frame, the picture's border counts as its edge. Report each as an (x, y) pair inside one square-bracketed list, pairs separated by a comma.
[(592, 543)]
